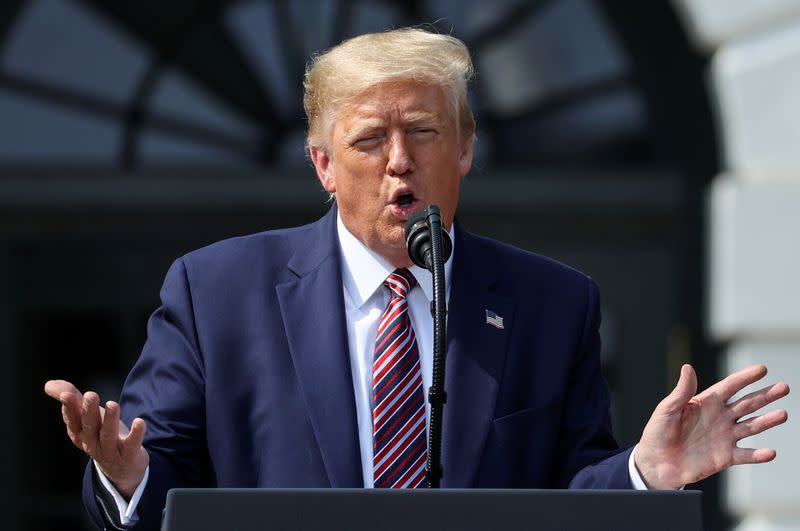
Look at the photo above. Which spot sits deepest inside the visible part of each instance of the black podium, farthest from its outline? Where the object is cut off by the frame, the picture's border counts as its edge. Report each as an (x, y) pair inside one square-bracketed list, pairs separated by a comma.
[(433, 509)]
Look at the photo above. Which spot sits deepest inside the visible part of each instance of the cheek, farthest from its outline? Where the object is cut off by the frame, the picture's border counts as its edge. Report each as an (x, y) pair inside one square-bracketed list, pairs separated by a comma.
[(449, 189), (445, 173), (453, 189), (360, 191), (362, 171)]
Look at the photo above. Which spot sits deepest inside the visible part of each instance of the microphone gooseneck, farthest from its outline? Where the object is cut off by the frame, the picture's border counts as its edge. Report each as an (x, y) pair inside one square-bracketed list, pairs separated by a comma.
[(429, 246)]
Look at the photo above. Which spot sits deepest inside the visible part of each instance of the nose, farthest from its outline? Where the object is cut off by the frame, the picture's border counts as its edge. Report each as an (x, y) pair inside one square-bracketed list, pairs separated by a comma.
[(401, 160)]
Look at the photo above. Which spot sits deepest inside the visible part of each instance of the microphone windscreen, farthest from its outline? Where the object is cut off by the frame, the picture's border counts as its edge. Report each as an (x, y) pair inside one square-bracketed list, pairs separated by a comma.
[(418, 237), (416, 217)]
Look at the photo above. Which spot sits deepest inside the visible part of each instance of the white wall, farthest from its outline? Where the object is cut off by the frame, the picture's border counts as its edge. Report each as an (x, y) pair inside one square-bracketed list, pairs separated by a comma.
[(754, 213)]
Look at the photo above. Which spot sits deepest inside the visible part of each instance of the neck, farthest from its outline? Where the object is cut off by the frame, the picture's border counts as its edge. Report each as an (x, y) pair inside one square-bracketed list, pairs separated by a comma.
[(398, 260)]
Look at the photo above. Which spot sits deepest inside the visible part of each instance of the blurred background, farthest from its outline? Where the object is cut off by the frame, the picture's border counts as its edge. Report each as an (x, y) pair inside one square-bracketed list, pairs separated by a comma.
[(650, 144)]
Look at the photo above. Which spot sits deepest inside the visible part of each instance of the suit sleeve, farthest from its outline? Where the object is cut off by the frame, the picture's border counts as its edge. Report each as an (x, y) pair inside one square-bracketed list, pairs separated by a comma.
[(590, 457), (165, 388)]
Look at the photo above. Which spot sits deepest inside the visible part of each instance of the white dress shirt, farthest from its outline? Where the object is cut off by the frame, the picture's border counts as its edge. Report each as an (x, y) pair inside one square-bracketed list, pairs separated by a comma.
[(365, 299), (363, 273)]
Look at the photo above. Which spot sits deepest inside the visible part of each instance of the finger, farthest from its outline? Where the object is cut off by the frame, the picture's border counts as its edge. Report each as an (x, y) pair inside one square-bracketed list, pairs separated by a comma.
[(751, 456), (71, 401), (109, 434), (756, 425), (684, 390), (109, 428), (133, 441), (738, 381), (71, 408), (90, 422), (758, 399), (55, 388)]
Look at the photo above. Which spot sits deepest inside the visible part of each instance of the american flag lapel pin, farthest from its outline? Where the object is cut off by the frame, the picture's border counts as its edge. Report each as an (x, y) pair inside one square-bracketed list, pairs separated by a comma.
[(494, 319)]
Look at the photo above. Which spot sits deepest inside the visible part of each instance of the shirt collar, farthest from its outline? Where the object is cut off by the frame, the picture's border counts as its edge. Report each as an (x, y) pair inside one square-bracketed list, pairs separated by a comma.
[(364, 270)]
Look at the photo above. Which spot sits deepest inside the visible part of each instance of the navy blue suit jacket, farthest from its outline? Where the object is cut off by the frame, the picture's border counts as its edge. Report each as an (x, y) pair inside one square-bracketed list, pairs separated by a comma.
[(245, 378)]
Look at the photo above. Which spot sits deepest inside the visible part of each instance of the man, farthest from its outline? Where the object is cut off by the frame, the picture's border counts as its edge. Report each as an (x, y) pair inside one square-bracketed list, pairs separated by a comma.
[(300, 357)]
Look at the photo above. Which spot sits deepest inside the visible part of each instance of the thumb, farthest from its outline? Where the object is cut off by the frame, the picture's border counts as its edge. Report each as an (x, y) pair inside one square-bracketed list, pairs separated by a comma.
[(684, 390)]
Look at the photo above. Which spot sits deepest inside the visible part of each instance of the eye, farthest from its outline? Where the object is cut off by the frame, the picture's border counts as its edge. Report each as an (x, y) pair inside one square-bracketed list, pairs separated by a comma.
[(422, 134), (368, 141)]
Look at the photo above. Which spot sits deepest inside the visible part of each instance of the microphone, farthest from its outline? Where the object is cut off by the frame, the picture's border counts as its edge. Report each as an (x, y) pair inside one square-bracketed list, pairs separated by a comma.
[(418, 237), (429, 246)]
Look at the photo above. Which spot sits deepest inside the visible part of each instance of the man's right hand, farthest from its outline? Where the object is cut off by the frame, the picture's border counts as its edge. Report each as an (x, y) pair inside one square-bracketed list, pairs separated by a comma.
[(100, 433)]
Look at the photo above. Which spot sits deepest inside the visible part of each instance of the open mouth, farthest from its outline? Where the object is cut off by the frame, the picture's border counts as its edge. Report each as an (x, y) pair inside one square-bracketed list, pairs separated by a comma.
[(404, 205), (404, 200)]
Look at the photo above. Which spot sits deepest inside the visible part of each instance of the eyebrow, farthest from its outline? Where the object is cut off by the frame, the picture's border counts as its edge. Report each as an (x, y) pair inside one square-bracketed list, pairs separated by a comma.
[(368, 124), (363, 126), (420, 116)]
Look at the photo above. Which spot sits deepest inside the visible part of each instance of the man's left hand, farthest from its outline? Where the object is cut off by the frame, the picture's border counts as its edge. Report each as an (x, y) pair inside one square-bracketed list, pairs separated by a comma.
[(692, 436)]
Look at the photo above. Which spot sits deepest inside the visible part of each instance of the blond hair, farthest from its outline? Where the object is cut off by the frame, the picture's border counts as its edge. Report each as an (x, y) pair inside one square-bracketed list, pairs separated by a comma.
[(360, 63)]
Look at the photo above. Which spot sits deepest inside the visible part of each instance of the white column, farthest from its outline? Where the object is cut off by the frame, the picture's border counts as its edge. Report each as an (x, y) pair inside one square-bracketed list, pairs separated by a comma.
[(754, 213)]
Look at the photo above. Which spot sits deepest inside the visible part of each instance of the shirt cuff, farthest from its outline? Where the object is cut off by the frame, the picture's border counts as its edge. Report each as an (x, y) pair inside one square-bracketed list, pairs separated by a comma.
[(636, 478), (127, 510)]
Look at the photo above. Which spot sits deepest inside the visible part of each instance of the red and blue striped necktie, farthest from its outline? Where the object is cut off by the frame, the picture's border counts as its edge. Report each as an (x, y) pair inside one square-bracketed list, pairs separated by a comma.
[(398, 414)]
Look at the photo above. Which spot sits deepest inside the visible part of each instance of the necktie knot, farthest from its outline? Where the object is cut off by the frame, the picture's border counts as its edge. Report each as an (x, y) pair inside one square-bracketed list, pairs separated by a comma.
[(400, 282)]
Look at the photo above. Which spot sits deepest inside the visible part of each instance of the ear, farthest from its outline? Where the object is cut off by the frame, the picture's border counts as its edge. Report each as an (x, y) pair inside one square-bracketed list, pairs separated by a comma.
[(322, 163), (465, 157)]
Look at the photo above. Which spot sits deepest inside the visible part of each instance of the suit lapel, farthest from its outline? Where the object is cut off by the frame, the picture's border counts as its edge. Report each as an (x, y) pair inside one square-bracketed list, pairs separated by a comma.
[(476, 353), (313, 316)]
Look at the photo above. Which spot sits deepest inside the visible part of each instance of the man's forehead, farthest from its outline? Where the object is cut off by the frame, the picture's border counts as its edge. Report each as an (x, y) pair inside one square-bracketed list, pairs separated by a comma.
[(375, 115), (407, 94), (412, 105)]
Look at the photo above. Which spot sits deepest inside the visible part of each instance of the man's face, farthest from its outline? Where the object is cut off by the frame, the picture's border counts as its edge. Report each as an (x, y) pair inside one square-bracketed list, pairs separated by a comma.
[(393, 150)]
